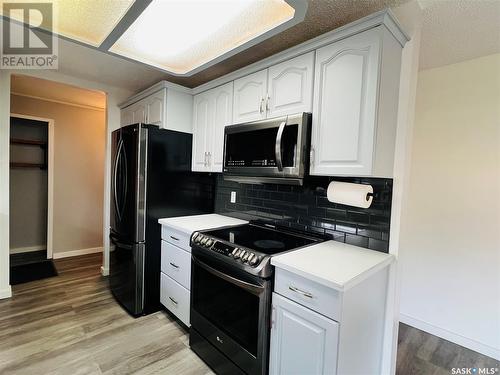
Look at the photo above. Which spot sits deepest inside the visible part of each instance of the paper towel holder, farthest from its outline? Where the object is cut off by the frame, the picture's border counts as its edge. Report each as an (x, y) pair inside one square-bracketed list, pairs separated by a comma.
[(370, 195)]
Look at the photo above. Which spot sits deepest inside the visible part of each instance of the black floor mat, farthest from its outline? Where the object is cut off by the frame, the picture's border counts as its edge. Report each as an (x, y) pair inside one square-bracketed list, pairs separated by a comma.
[(24, 273)]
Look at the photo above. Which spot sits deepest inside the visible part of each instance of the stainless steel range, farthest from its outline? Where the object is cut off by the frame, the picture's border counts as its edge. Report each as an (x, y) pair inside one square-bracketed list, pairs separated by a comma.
[(231, 287)]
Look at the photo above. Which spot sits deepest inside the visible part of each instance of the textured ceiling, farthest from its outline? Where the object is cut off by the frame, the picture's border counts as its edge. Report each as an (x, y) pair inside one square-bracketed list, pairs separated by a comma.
[(56, 91), (458, 30)]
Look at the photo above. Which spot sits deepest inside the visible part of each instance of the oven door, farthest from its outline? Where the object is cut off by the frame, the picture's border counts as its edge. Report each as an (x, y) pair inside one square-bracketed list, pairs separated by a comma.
[(231, 312), (276, 147)]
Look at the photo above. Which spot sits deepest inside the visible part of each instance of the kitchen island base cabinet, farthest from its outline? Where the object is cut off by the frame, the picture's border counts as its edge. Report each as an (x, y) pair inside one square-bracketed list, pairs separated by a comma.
[(303, 341)]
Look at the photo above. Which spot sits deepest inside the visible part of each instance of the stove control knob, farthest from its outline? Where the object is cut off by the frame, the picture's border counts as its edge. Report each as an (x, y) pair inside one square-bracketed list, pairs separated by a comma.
[(242, 254), (199, 239), (245, 257), (195, 235), (254, 261), (235, 253), (209, 243), (204, 241), (250, 257)]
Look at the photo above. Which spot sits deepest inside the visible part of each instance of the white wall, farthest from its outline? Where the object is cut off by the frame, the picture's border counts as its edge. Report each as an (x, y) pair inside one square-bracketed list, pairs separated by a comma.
[(450, 234)]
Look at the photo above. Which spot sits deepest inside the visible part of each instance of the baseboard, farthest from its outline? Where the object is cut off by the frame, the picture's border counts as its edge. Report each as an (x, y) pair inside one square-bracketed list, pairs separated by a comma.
[(74, 253), (5, 292), (27, 249), (104, 271), (451, 336)]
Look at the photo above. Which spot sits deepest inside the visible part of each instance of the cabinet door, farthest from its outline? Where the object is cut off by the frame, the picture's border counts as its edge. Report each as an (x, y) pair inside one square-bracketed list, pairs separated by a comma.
[(126, 116), (302, 341), (139, 111), (291, 86), (222, 102), (202, 125), (249, 97), (156, 108), (344, 116)]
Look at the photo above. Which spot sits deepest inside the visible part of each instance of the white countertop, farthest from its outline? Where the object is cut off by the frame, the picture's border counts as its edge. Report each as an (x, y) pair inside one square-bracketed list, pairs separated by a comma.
[(190, 224), (334, 264)]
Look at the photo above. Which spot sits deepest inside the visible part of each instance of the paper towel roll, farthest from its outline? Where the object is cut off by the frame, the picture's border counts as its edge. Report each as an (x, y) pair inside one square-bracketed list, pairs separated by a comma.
[(350, 194)]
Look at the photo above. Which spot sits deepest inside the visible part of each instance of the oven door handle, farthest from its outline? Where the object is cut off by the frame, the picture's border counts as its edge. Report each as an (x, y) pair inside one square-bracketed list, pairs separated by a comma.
[(254, 289), (277, 147)]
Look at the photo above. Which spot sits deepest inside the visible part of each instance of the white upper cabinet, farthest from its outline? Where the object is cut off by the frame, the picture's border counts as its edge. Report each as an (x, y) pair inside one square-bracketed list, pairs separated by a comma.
[(168, 108), (344, 111), (156, 107), (355, 106), (290, 86), (223, 116), (212, 111), (126, 116), (201, 130), (249, 97), (139, 111), (280, 90)]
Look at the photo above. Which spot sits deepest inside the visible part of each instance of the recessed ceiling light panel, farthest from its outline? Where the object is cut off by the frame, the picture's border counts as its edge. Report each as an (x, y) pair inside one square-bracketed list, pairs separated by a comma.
[(183, 36)]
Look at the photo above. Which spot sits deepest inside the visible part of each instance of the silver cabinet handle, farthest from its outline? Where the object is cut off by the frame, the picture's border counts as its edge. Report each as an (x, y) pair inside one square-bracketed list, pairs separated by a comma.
[(174, 238), (206, 159), (209, 155), (311, 156), (174, 265), (220, 340), (297, 290), (267, 103), (173, 300), (261, 107)]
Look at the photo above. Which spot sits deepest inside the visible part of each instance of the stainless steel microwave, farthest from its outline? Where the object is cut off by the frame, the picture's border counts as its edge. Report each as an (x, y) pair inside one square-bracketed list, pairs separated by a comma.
[(268, 151)]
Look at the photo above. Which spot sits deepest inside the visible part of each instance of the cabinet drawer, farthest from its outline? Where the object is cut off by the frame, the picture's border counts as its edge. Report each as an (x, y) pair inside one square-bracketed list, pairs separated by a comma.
[(176, 237), (176, 263), (308, 293), (175, 298)]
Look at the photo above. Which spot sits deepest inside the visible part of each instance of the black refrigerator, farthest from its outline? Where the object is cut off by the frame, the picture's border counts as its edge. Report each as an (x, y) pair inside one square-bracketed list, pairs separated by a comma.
[(151, 178)]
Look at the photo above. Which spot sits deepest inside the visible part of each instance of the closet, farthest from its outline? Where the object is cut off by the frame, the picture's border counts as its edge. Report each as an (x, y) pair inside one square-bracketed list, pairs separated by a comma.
[(28, 190)]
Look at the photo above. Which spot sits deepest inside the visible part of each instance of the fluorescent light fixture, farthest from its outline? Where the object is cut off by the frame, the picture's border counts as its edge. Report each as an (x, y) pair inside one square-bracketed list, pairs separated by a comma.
[(87, 21), (181, 36)]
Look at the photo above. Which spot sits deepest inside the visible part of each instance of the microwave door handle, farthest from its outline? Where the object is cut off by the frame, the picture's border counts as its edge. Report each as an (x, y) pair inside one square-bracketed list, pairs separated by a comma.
[(254, 289), (277, 149)]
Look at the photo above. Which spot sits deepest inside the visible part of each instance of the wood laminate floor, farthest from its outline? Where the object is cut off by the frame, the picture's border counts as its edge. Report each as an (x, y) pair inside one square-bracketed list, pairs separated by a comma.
[(71, 325)]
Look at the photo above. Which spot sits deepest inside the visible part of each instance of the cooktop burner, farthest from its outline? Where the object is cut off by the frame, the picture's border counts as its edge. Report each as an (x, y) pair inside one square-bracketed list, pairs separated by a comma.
[(265, 240), (248, 247)]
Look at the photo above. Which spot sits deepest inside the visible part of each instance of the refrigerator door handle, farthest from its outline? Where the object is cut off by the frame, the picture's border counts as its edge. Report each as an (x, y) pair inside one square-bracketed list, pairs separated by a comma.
[(124, 182), (115, 175)]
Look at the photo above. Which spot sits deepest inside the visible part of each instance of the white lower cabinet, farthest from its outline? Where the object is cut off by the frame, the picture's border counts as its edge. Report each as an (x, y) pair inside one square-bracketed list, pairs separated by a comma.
[(176, 263), (302, 341), (175, 298)]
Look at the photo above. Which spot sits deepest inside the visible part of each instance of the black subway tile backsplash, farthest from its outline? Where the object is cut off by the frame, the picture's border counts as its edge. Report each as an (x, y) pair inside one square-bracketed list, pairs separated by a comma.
[(306, 208)]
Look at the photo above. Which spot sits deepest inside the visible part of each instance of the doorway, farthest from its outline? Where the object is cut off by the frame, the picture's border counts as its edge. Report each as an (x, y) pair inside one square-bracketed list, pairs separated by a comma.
[(29, 203)]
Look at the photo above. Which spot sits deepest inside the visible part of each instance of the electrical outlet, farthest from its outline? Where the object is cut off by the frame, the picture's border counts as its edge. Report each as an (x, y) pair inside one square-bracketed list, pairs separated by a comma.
[(233, 197)]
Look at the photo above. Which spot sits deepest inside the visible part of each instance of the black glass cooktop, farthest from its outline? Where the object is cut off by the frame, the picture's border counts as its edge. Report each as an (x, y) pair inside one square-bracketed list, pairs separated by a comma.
[(265, 240)]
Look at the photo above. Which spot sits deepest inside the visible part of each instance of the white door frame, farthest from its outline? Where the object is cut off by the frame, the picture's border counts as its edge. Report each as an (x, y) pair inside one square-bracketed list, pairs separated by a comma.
[(50, 177)]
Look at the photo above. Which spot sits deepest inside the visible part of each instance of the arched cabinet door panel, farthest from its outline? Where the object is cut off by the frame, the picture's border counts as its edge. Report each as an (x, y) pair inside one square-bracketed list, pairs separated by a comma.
[(344, 115), (290, 86), (249, 97), (202, 125)]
